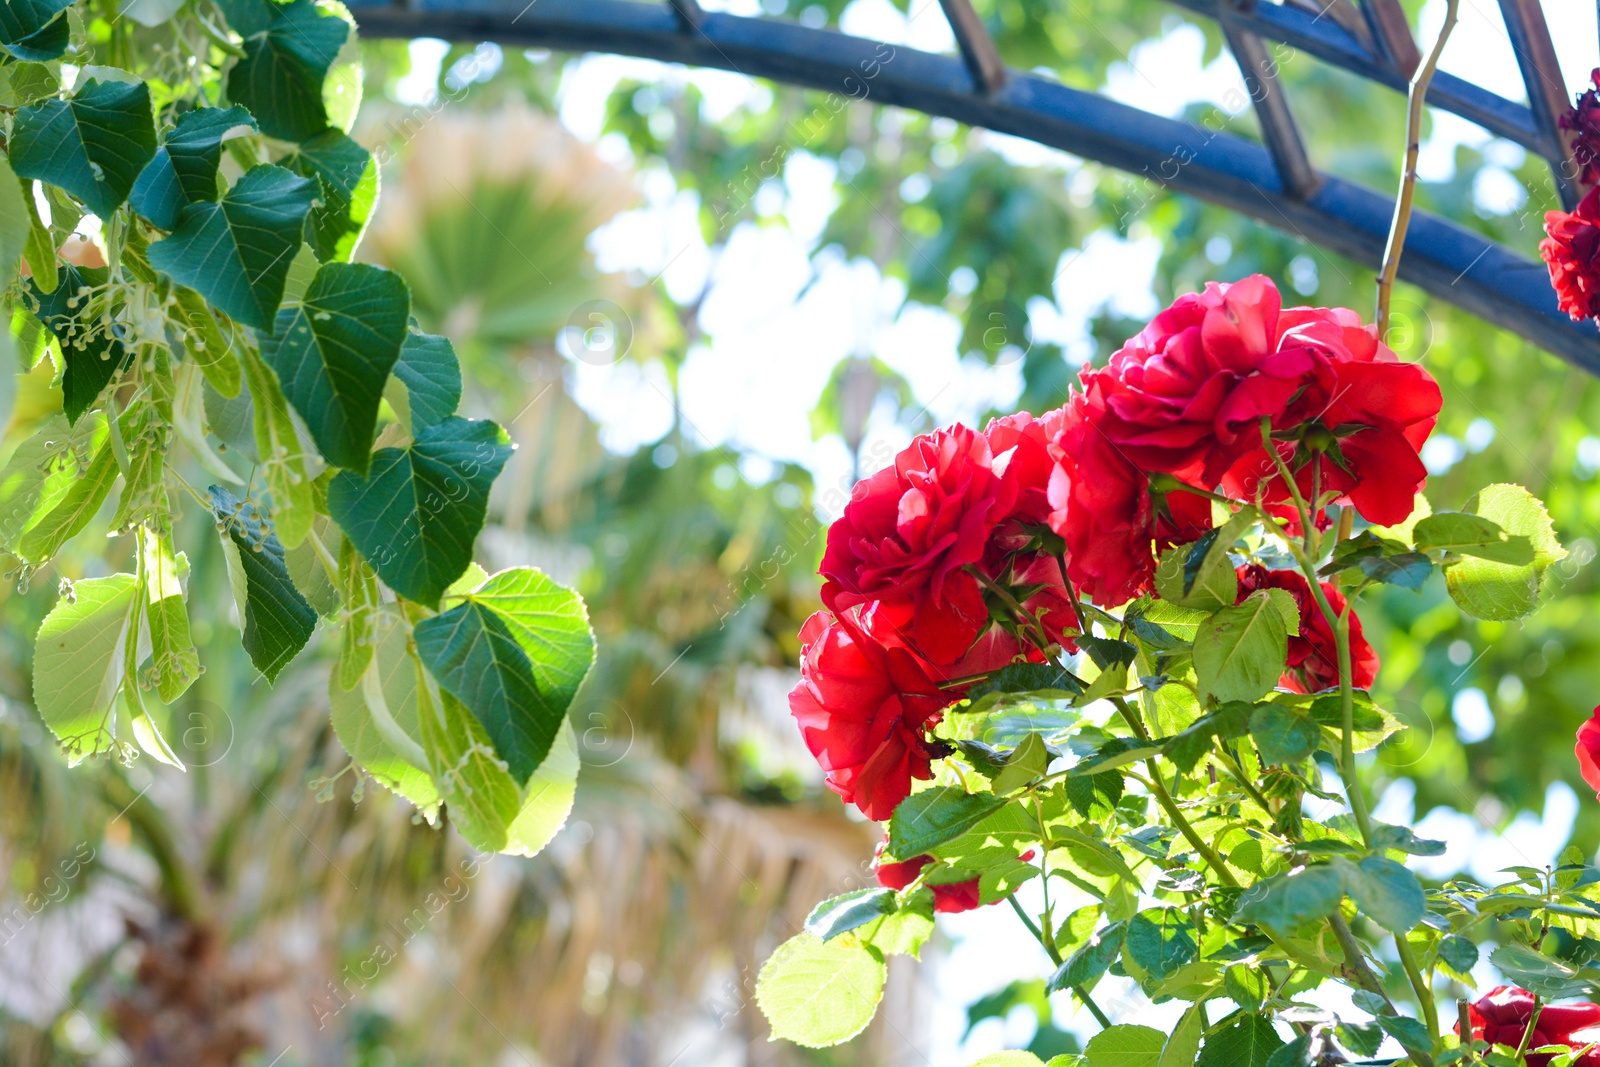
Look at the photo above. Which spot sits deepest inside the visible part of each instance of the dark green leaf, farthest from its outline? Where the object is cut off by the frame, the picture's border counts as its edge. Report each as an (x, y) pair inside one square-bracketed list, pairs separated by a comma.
[(184, 170), (1126, 1045), (1248, 1041), (34, 30), (432, 376), (924, 821), (1362, 1040), (418, 511), (1283, 735), (1409, 570), (333, 352), (841, 914), (236, 252), (288, 50), (1091, 960), (1246, 987), (1161, 940), (1240, 652), (277, 620), (474, 656), (1106, 652), (1026, 678), (348, 177), (90, 347), (1537, 972), (1296, 1053), (1094, 793), (93, 145), (1115, 752)]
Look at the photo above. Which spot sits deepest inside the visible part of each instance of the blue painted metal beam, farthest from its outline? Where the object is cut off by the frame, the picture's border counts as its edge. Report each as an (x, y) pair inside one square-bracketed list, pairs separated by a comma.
[(1445, 259)]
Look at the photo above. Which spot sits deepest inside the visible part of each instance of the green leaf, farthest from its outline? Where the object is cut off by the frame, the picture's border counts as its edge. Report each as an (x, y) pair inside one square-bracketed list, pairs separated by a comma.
[(34, 30), (482, 798), (174, 660), (1411, 1033), (333, 352), (1041, 680), (904, 932), (1534, 971), (1471, 535), (236, 252), (90, 346), (1296, 1053), (1200, 575), (1386, 835), (476, 659), (841, 914), (348, 177), (1362, 1040), (1387, 893), (1287, 901), (93, 145), (1486, 589), (204, 343), (549, 622), (1240, 652), (78, 663), (282, 455), (1459, 954), (277, 620), (999, 837), (1283, 735), (1248, 1041), (1009, 1058), (547, 798), (184, 169), (1183, 1044), (419, 509), (376, 718), (1126, 1046), (924, 821), (288, 50), (1246, 987), (1409, 570), (358, 593), (1161, 940), (1026, 762), (1226, 723), (73, 510), (432, 378), (1090, 960), (43, 470), (145, 430), (818, 993), (15, 224), (39, 250)]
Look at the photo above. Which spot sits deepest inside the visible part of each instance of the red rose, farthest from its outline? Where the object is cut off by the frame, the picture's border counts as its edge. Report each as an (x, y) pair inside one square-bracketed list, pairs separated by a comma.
[(1363, 437), (1501, 1016), (1021, 444), (1101, 505), (864, 709), (910, 529), (1584, 121), (1187, 395), (1588, 750), (1313, 663), (1572, 251)]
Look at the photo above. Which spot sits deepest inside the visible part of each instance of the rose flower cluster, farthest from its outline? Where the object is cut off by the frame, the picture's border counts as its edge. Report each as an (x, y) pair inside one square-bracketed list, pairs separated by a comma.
[(974, 550), (1571, 248)]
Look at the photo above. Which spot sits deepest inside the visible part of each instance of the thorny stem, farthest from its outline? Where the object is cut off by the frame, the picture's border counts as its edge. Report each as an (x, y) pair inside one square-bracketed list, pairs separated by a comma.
[(1408, 178), (1041, 639)]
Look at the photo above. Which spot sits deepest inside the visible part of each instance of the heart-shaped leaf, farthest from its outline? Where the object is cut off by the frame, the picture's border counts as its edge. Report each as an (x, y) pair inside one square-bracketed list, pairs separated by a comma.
[(93, 145), (333, 352), (236, 252), (277, 620), (184, 170), (432, 376), (33, 30), (418, 511), (348, 177), (90, 347), (288, 50)]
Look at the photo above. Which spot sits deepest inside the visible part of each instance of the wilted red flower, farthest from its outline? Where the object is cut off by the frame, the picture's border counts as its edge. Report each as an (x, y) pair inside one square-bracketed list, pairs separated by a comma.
[(1584, 121), (1102, 506), (1187, 395), (1364, 436), (1572, 252), (1501, 1016), (1313, 663), (910, 529), (864, 708), (1588, 750)]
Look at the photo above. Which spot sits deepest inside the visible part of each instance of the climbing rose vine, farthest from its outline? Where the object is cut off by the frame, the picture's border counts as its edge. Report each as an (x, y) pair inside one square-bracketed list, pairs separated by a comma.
[(1093, 662)]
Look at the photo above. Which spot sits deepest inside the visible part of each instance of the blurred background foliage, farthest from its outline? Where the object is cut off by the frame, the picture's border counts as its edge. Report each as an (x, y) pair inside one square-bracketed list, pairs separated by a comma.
[(267, 904)]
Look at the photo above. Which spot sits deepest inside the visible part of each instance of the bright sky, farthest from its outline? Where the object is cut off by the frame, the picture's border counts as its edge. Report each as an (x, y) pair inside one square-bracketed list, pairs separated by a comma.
[(779, 317)]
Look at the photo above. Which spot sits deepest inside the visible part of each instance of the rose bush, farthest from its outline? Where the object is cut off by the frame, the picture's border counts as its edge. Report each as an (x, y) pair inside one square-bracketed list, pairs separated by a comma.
[(1094, 662)]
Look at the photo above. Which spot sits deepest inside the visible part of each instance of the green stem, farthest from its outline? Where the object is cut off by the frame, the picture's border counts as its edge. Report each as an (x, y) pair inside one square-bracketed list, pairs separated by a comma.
[(1527, 1035), (1231, 765)]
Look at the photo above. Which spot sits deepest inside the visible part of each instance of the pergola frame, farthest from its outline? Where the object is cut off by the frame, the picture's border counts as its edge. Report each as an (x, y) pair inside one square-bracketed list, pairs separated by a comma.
[(1273, 181)]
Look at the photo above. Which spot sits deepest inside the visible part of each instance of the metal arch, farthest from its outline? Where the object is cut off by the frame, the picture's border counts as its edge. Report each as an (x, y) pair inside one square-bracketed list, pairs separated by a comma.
[(1273, 182)]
